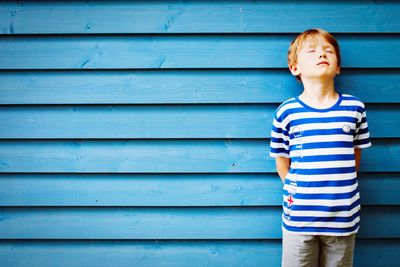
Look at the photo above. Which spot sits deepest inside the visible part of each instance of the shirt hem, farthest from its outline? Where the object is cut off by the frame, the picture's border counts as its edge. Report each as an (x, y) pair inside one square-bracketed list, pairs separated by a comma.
[(275, 155), (363, 146), (319, 233)]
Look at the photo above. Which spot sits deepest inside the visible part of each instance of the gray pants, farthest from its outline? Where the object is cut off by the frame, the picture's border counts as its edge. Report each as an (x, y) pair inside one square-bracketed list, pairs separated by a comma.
[(317, 250)]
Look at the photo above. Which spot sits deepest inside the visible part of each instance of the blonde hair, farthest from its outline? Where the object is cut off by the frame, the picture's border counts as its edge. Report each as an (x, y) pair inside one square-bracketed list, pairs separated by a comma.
[(297, 43)]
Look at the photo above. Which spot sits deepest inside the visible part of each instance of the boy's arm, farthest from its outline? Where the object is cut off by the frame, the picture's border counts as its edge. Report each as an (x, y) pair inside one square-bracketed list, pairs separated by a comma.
[(357, 155), (282, 166)]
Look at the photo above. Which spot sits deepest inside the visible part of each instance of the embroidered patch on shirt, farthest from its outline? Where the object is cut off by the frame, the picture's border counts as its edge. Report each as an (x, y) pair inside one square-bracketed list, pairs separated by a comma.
[(346, 128)]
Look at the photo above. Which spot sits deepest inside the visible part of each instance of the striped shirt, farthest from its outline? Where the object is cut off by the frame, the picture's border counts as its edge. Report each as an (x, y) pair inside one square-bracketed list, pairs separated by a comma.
[(320, 193)]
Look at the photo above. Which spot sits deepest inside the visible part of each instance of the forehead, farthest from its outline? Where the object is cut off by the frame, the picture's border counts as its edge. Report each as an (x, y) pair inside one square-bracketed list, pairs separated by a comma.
[(315, 41)]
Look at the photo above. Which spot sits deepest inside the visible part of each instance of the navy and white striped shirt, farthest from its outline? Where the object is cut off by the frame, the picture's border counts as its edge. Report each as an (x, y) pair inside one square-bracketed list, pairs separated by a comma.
[(320, 193)]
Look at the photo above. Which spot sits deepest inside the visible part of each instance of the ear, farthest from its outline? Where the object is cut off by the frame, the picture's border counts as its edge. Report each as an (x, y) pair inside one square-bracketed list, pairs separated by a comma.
[(338, 70), (294, 70)]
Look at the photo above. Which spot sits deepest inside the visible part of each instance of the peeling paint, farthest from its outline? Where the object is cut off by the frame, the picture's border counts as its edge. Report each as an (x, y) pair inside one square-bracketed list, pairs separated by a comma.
[(85, 63), (162, 62)]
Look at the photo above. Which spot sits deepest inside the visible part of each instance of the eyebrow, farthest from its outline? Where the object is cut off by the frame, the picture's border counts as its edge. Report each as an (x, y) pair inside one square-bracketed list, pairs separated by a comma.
[(325, 46)]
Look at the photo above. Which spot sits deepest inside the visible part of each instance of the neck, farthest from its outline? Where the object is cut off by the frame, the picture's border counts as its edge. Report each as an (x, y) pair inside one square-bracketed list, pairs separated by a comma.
[(319, 93)]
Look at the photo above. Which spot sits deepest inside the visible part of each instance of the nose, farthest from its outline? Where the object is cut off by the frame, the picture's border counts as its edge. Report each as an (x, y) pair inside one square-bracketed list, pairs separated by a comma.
[(323, 54)]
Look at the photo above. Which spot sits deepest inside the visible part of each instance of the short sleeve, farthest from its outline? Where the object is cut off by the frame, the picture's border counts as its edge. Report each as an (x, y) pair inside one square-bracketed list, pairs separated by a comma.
[(279, 145), (361, 137)]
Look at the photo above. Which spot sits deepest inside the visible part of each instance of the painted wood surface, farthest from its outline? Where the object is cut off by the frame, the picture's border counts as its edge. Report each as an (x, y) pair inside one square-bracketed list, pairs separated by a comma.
[(24, 17), (136, 133)]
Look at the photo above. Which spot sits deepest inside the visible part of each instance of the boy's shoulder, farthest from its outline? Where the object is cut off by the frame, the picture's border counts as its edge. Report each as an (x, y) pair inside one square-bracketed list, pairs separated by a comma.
[(285, 105), (351, 99)]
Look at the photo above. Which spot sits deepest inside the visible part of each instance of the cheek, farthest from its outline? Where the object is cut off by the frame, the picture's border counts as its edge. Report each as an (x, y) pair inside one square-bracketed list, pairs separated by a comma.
[(334, 57), (304, 60), (334, 60)]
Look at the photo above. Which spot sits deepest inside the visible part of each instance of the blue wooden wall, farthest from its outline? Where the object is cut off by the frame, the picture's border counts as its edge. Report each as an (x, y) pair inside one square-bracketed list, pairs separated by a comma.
[(136, 133)]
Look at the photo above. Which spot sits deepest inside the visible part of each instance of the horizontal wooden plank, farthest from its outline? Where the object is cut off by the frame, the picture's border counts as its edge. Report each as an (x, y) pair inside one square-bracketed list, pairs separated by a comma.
[(371, 252), (169, 189), (140, 189), (140, 253), (379, 188), (155, 156), (181, 51), (19, 17), (164, 156), (183, 86), (149, 121), (176, 121), (174, 253), (170, 223), (139, 223)]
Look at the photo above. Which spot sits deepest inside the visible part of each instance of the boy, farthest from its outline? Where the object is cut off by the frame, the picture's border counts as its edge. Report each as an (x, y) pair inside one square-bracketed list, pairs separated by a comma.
[(316, 139)]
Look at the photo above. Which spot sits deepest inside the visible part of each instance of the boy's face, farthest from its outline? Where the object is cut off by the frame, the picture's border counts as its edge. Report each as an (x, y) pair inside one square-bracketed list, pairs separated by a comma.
[(316, 60)]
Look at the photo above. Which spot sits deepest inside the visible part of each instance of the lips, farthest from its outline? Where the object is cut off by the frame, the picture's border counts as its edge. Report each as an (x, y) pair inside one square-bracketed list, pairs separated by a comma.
[(323, 62)]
